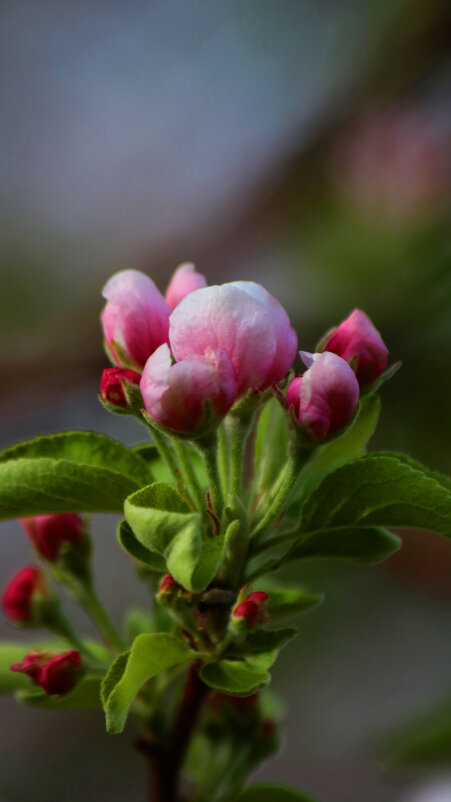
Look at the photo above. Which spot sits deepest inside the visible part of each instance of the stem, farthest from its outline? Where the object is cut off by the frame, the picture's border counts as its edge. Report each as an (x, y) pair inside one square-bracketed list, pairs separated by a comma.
[(165, 761), (224, 458), (165, 452), (190, 474), (60, 625), (239, 430), (284, 485), (87, 597), (208, 449)]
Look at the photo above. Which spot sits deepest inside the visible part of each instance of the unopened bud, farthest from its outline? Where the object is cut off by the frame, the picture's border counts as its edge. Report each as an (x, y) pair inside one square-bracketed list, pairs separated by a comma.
[(56, 674)]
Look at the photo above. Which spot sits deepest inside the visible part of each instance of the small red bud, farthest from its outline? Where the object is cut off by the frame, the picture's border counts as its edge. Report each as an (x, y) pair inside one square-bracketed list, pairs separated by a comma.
[(166, 583), (111, 384), (17, 599), (57, 674), (48, 533), (252, 609)]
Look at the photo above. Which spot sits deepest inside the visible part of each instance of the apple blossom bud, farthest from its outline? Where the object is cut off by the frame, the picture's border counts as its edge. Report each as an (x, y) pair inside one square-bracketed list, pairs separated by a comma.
[(245, 321), (357, 341), (57, 674), (49, 533), (21, 593), (326, 397), (167, 583), (112, 387), (135, 318), (184, 280), (177, 396), (251, 612)]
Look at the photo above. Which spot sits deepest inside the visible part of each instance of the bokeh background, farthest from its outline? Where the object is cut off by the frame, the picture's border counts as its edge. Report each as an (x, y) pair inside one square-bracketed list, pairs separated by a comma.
[(304, 145)]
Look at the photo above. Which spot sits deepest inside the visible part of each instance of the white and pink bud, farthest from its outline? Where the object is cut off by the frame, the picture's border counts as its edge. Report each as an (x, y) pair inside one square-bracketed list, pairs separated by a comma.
[(243, 320), (186, 395), (325, 398), (184, 280), (358, 341), (135, 318)]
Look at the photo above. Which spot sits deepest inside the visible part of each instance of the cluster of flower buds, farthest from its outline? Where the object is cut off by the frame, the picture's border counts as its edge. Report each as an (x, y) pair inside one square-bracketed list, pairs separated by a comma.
[(56, 674), (198, 350)]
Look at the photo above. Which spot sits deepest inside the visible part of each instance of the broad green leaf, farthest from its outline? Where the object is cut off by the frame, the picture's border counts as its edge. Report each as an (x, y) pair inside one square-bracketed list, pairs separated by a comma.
[(443, 480), (85, 695), (265, 640), (271, 793), (425, 739), (135, 548), (358, 544), (238, 678), (378, 490), (148, 655), (270, 444), (350, 445), (85, 448), (38, 486), (286, 603), (163, 522)]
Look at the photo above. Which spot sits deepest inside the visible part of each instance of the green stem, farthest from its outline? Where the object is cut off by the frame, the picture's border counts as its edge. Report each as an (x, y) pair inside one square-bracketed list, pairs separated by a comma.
[(224, 458), (190, 475), (208, 450), (88, 599), (165, 452), (285, 485), (239, 429), (60, 625)]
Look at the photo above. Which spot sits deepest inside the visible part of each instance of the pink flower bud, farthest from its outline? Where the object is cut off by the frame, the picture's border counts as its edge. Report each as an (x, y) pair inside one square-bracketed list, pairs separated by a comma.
[(252, 610), (111, 386), (176, 395), (358, 340), (17, 599), (184, 280), (245, 321), (325, 397), (136, 317), (48, 533), (56, 674)]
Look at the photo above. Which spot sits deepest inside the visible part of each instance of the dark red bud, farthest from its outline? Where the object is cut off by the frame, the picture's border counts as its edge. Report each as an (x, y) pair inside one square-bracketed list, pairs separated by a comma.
[(111, 387), (49, 532), (17, 599), (56, 674)]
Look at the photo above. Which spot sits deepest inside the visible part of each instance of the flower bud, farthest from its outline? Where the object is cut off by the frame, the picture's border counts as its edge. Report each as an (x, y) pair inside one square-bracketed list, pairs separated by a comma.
[(112, 385), (49, 533), (177, 396), (135, 318), (246, 322), (325, 398), (357, 341), (184, 280), (57, 674), (22, 592), (251, 612)]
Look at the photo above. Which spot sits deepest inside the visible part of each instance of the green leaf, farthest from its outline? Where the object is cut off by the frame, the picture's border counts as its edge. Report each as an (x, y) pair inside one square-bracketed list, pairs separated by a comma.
[(378, 490), (265, 640), (135, 548), (163, 522), (343, 516), (84, 448), (238, 678), (286, 603), (148, 655), (425, 739), (350, 445), (271, 793), (85, 695), (39, 486)]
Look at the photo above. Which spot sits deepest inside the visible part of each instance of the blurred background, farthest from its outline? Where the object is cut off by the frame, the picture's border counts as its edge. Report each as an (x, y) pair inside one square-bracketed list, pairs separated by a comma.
[(304, 145)]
